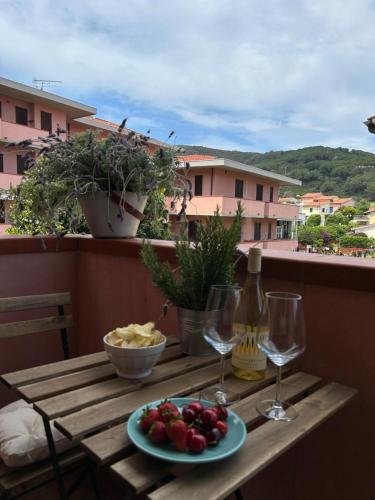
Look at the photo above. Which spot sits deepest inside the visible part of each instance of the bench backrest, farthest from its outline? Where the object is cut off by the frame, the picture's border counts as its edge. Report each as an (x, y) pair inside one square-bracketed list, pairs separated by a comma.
[(60, 322)]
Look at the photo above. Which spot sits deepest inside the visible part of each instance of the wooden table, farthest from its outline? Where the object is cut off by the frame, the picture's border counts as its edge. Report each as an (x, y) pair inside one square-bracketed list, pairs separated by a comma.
[(90, 404)]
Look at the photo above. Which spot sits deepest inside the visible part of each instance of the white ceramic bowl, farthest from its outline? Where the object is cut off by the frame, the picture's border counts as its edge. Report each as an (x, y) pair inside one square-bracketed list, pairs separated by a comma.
[(134, 362)]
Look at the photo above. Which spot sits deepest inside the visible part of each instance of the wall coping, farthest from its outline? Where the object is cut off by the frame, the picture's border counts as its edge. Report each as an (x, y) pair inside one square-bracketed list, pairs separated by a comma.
[(314, 269)]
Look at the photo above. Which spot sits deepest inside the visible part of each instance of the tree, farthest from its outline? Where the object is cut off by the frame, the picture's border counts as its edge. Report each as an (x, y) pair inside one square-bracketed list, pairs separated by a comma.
[(337, 218), (348, 212), (314, 220), (362, 206), (309, 235)]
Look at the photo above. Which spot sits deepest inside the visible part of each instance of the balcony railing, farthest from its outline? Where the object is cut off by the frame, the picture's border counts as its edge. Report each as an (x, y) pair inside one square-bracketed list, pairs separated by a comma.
[(281, 211), (207, 205), (14, 132), (110, 287)]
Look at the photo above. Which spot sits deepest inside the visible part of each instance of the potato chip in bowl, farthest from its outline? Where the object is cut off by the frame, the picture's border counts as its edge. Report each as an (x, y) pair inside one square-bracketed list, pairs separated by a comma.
[(135, 335), (134, 349)]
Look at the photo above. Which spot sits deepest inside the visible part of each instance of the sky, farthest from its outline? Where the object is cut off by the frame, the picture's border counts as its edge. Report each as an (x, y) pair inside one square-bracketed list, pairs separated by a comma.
[(252, 75)]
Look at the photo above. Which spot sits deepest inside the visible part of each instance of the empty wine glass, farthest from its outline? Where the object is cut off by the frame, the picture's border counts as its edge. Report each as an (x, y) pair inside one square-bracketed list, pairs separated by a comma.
[(222, 304), (281, 336)]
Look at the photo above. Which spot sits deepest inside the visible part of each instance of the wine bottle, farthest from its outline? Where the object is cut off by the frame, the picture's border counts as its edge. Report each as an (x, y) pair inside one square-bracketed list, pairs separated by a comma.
[(249, 363)]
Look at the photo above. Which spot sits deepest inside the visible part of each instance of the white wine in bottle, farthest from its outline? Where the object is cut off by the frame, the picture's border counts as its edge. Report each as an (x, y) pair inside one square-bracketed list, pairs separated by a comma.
[(249, 363)]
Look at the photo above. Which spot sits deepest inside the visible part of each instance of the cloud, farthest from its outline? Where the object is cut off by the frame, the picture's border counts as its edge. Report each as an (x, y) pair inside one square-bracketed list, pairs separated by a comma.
[(273, 74)]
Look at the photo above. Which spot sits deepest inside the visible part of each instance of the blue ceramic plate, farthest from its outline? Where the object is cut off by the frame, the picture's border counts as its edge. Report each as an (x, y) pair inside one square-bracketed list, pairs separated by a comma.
[(232, 442)]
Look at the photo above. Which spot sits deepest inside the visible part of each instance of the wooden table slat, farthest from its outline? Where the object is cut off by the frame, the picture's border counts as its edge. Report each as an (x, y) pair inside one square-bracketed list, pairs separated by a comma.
[(75, 400), (115, 410), (263, 445), (84, 378), (52, 370), (111, 444), (141, 471)]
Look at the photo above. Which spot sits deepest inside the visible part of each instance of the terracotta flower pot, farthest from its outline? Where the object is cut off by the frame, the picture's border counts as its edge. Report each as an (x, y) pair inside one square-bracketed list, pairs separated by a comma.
[(112, 216)]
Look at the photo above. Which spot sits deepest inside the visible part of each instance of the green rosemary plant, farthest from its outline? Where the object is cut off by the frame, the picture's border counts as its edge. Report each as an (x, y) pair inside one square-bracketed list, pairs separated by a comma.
[(209, 260)]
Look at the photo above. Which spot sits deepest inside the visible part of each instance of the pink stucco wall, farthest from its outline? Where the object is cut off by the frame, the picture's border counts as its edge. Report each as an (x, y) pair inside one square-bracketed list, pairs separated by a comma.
[(224, 184), (16, 132)]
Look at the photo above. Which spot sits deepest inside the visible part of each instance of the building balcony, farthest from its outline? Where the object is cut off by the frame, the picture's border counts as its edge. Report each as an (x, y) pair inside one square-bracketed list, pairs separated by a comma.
[(207, 205), (110, 287), (281, 211), (13, 132)]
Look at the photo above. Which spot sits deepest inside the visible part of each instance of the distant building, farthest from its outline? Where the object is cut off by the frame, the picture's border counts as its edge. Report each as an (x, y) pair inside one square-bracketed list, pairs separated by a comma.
[(219, 182), (317, 203), (30, 113)]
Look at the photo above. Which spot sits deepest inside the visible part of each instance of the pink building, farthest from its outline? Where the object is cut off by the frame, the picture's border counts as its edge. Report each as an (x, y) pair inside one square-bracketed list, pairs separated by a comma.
[(219, 182), (29, 113)]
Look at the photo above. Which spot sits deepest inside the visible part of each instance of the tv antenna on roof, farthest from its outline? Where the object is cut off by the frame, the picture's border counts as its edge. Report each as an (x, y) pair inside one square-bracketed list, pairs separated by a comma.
[(41, 84)]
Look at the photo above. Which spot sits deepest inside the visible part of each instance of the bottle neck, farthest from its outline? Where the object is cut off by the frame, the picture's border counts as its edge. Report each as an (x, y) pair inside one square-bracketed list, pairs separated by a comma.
[(253, 278)]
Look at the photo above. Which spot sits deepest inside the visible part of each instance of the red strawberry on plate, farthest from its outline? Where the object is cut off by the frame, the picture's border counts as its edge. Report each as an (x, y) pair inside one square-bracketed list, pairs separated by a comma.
[(222, 426), (168, 411), (158, 433), (149, 416), (177, 432)]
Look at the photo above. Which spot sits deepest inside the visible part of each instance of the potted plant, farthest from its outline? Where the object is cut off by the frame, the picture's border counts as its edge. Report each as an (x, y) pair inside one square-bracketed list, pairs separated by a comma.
[(207, 261), (111, 178)]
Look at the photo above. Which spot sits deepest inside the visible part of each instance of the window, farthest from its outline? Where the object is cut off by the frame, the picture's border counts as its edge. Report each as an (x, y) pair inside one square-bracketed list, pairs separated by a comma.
[(270, 231), (323, 210), (21, 116), (198, 185), (21, 164), (0, 110), (238, 191), (1, 162), (46, 121), (259, 195), (271, 194), (257, 230), (311, 210)]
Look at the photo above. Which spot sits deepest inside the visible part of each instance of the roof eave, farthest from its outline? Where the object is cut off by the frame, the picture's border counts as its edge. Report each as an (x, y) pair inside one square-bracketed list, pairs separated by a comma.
[(246, 169), (26, 93)]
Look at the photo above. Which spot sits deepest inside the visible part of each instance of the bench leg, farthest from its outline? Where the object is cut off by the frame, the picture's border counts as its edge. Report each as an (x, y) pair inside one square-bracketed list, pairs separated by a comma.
[(54, 459)]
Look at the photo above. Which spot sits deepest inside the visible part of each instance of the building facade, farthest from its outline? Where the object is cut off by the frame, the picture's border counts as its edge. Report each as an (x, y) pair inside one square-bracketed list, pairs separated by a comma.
[(221, 183), (317, 203), (29, 113)]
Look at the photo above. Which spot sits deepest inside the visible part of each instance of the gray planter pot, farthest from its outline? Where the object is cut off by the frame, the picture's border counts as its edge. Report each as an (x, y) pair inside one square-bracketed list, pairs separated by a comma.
[(113, 217), (191, 325)]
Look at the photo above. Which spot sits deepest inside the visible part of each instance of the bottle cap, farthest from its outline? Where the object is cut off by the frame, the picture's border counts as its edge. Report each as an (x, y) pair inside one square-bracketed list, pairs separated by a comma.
[(254, 264)]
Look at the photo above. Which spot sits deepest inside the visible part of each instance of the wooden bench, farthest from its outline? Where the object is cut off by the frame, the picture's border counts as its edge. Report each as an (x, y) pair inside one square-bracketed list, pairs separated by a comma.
[(15, 482)]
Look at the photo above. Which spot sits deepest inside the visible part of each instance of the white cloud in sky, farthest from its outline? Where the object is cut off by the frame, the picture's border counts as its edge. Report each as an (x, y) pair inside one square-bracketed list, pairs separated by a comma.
[(271, 73)]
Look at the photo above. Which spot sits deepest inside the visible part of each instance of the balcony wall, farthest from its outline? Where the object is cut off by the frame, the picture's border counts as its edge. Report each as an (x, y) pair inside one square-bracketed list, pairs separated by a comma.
[(207, 205), (111, 287), (281, 211), (13, 132)]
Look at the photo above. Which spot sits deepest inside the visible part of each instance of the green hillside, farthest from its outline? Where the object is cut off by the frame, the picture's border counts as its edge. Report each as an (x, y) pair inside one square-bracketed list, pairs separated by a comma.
[(337, 171)]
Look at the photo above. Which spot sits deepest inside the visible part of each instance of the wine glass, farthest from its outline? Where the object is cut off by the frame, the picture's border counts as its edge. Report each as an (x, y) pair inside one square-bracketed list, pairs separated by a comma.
[(221, 305), (281, 336)]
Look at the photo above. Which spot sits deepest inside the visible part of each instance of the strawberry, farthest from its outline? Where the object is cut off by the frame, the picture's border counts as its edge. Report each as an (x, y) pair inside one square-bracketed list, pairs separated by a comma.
[(177, 432), (168, 411), (222, 426), (158, 433), (149, 416)]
